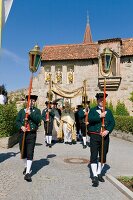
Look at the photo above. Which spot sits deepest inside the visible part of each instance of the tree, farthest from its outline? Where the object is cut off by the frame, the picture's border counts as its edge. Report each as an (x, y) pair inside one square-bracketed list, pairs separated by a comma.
[(131, 97), (121, 109), (93, 103), (110, 106), (3, 90)]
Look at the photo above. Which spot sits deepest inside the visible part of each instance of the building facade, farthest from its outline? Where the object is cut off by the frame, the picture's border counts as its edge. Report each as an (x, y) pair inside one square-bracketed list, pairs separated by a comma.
[(69, 65)]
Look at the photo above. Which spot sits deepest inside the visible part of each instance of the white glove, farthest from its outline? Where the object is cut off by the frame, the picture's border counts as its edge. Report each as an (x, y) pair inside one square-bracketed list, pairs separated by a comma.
[(104, 133)]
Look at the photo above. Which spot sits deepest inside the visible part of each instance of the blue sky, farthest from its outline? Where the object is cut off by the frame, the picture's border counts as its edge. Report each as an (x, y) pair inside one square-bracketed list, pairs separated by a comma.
[(50, 22)]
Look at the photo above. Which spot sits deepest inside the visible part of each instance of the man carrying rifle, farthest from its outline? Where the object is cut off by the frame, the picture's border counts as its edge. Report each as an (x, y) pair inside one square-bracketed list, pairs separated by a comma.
[(27, 122), (97, 134)]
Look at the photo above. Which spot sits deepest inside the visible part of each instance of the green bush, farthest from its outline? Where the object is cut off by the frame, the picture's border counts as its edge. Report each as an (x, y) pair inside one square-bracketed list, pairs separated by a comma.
[(124, 123), (93, 103), (131, 97), (110, 106), (121, 109), (8, 115)]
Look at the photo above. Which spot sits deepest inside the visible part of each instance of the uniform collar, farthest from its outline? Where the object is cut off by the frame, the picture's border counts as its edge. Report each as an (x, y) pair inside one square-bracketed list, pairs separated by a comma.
[(99, 107)]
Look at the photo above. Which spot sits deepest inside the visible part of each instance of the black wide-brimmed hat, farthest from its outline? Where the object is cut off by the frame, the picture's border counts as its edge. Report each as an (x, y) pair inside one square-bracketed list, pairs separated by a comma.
[(87, 102), (32, 97), (79, 106), (100, 95), (48, 102), (54, 103)]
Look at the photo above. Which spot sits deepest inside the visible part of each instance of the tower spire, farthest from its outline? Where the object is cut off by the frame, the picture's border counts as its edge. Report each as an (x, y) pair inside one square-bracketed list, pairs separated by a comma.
[(87, 34), (87, 17)]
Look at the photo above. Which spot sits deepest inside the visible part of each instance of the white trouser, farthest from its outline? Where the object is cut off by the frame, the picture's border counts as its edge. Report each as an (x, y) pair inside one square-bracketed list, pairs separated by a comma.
[(67, 133)]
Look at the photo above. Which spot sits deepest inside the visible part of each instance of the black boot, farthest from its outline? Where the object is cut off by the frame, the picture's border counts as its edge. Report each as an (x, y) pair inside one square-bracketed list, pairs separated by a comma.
[(27, 177), (95, 181), (84, 146), (66, 142), (47, 144), (74, 142), (100, 178), (70, 143), (24, 172)]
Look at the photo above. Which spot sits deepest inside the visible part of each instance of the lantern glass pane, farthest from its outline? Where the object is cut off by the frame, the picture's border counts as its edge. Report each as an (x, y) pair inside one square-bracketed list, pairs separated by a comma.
[(103, 63), (108, 58), (32, 60), (37, 61)]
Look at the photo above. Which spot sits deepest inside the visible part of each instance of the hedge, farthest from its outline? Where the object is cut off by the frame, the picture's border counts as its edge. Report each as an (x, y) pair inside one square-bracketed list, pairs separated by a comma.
[(124, 123), (8, 115)]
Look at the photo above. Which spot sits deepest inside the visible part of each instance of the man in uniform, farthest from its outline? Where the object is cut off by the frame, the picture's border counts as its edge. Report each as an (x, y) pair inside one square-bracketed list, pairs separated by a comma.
[(77, 123), (28, 126), (83, 119), (96, 115), (48, 118)]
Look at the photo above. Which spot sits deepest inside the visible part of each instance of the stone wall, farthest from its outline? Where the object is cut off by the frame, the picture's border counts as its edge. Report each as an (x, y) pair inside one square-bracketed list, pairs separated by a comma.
[(18, 95), (86, 70), (83, 70)]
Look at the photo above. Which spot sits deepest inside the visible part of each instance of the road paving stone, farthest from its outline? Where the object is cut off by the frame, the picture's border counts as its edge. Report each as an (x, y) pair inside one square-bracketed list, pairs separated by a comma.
[(54, 179)]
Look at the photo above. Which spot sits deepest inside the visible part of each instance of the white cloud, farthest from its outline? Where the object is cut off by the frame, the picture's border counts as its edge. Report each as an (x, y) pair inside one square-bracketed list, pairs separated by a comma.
[(12, 56)]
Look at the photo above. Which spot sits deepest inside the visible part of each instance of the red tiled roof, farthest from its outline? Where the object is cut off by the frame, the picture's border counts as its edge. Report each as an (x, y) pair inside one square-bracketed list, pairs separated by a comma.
[(70, 52), (81, 51), (127, 47)]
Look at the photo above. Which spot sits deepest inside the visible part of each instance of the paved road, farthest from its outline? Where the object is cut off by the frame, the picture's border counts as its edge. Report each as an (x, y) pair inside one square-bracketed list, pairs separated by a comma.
[(54, 179)]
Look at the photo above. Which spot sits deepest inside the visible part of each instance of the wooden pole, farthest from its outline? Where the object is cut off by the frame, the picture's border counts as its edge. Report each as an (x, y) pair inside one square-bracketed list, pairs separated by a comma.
[(26, 116), (49, 93), (103, 121), (85, 92), (85, 103)]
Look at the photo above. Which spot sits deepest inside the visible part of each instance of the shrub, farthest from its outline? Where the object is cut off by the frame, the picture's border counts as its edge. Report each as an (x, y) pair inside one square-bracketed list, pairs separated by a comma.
[(93, 103), (121, 109), (131, 97), (8, 115), (110, 106), (124, 123), (3, 90)]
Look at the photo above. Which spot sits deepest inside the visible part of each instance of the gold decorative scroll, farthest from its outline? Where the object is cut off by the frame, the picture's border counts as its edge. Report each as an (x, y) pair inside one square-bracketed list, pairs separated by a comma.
[(66, 93)]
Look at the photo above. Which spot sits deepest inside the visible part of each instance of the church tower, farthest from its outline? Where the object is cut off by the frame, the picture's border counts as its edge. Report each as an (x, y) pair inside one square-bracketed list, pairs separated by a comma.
[(87, 35)]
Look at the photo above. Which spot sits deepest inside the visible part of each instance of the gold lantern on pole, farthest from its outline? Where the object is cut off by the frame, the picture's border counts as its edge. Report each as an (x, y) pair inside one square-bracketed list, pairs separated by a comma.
[(106, 58), (34, 58)]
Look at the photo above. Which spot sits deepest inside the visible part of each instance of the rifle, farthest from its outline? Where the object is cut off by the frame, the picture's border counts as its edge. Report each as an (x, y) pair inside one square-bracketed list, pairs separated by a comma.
[(26, 116)]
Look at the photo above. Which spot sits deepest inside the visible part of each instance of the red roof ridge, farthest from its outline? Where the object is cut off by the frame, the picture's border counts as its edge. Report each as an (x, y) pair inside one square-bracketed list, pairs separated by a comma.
[(62, 45)]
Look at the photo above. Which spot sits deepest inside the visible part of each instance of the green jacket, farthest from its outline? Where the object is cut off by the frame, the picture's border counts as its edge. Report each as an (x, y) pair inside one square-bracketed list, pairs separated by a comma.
[(51, 114), (81, 115), (34, 119), (95, 122)]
